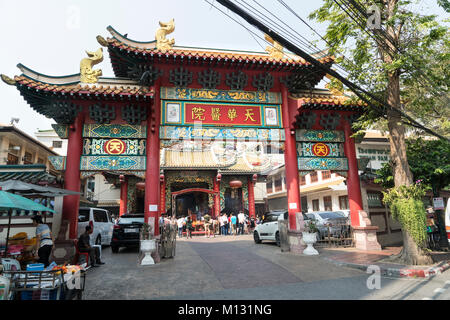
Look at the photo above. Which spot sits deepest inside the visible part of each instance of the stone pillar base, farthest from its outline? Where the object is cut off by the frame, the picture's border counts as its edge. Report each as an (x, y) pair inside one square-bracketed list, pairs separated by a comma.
[(366, 238), (296, 244), (63, 252)]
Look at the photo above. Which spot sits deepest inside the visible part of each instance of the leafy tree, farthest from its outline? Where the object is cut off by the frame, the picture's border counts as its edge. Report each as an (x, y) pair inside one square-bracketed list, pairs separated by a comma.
[(445, 4), (391, 61), (429, 161)]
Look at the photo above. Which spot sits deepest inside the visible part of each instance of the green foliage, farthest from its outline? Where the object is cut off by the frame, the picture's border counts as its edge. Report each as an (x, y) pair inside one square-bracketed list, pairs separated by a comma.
[(445, 4), (429, 161), (422, 60), (384, 176), (407, 208), (146, 232), (311, 227)]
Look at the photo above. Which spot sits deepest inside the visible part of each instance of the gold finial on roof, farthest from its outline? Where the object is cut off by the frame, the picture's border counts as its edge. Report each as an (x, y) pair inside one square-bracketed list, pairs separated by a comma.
[(275, 50), (102, 41), (162, 43), (8, 80), (87, 74)]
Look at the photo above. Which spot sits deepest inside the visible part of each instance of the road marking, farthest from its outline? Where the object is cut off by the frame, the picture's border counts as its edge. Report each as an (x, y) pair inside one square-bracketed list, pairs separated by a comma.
[(427, 299), (439, 290)]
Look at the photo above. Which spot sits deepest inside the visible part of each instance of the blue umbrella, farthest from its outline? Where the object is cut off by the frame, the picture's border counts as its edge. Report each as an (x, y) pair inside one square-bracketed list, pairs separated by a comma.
[(10, 201)]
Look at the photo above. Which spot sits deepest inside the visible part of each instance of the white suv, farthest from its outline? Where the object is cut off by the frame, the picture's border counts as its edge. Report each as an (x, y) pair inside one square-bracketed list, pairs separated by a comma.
[(268, 229)]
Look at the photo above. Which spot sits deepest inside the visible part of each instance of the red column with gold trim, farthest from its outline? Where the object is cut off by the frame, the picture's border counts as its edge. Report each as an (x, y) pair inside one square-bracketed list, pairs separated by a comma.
[(251, 197), (216, 186), (72, 179), (152, 183), (123, 196), (291, 163), (353, 184)]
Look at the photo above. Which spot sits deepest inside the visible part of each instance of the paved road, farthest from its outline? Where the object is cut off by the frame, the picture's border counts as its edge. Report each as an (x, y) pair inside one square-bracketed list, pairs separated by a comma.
[(235, 268)]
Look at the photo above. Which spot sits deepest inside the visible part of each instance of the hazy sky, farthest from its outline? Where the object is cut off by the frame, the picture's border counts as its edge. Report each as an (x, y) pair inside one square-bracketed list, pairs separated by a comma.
[(51, 37)]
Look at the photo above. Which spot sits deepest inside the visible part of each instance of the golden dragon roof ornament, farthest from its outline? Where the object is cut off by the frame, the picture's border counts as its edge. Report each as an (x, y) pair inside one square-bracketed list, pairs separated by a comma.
[(87, 74), (166, 28), (8, 80), (275, 50)]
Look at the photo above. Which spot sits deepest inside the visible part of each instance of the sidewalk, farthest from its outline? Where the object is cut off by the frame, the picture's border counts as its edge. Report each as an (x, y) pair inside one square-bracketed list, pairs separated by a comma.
[(359, 259)]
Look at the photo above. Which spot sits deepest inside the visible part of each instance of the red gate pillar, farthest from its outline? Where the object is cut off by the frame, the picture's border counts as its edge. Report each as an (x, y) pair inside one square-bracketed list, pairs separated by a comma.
[(216, 186), (72, 179), (290, 160), (251, 198), (123, 196), (152, 192), (353, 185)]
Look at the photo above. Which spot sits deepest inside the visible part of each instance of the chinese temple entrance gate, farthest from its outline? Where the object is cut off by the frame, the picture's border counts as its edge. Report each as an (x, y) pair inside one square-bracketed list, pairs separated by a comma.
[(171, 110)]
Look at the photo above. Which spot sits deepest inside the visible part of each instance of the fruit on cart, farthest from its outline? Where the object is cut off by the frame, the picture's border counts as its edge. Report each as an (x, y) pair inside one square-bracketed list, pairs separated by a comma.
[(73, 268), (60, 269)]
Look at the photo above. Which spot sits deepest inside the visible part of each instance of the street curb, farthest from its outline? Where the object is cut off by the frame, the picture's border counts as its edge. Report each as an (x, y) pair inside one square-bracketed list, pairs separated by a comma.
[(397, 272)]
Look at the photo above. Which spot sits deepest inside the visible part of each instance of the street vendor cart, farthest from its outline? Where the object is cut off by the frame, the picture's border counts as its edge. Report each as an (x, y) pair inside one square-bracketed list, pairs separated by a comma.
[(46, 285)]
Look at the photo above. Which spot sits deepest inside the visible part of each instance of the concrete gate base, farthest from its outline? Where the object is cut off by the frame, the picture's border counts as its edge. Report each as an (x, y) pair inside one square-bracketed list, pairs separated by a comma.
[(366, 238), (296, 244), (365, 235)]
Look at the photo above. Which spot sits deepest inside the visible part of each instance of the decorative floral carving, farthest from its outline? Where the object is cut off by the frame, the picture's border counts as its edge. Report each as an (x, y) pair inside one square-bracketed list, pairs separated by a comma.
[(236, 80), (209, 79), (180, 77)]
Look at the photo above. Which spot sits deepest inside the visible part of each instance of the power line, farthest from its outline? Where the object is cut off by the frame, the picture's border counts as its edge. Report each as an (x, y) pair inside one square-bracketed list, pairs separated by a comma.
[(251, 32), (390, 49), (355, 88)]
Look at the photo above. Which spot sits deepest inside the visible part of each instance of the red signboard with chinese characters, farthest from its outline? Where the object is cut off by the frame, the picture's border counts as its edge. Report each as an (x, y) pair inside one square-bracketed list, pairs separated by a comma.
[(222, 114)]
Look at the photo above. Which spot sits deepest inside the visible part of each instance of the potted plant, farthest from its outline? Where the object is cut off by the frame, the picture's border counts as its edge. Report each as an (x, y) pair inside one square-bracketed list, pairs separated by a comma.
[(148, 244), (310, 237)]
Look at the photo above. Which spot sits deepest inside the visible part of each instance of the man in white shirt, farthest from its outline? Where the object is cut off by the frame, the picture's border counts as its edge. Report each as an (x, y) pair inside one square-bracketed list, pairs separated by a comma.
[(180, 223), (241, 221)]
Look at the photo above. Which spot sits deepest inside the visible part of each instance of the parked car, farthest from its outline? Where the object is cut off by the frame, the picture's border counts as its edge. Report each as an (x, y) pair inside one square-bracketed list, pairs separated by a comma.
[(268, 228), (127, 231), (101, 223), (336, 221), (346, 213)]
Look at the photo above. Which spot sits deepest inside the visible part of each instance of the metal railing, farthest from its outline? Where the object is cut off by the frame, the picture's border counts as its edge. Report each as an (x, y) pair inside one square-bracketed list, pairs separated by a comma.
[(335, 235)]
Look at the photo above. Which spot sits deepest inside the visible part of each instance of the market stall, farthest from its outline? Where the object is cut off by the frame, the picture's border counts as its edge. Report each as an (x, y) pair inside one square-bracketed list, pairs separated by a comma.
[(53, 283), (24, 279)]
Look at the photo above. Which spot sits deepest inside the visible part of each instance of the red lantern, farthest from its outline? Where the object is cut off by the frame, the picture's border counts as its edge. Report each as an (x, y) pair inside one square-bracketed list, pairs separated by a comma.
[(122, 178), (140, 185), (235, 184), (255, 177), (219, 177), (161, 178)]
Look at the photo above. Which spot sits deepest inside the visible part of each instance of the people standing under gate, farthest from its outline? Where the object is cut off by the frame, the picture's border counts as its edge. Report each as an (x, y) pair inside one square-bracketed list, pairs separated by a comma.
[(252, 225), (224, 226), (241, 221), (189, 227), (214, 225), (180, 223), (233, 221), (207, 219), (246, 225)]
